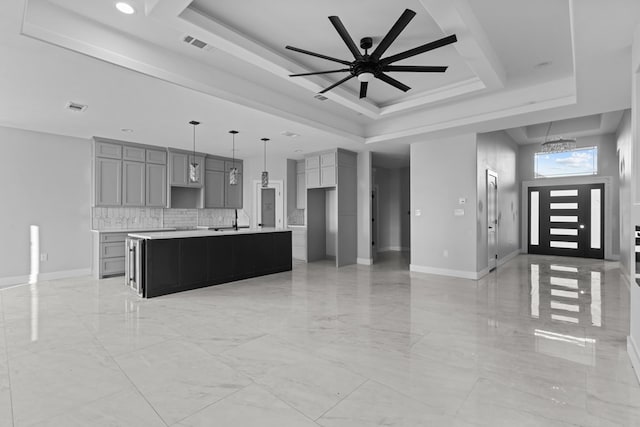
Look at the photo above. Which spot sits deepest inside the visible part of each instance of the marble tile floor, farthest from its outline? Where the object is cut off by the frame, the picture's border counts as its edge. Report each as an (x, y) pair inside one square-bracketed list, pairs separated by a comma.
[(539, 342)]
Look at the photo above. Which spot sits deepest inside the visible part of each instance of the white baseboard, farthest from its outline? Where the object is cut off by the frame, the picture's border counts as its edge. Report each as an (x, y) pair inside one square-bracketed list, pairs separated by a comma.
[(20, 280), (365, 261), (393, 249), (509, 257), (634, 355), (445, 272)]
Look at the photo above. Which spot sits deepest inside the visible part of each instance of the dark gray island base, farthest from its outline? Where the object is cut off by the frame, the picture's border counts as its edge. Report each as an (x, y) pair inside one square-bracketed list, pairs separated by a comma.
[(175, 264)]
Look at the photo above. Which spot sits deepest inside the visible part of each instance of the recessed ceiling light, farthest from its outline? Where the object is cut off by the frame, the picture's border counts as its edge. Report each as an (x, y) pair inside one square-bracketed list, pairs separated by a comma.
[(125, 8), (289, 134), (74, 106), (126, 130)]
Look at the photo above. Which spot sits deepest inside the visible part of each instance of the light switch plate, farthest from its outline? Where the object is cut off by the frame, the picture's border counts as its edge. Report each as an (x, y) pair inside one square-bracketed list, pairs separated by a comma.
[(458, 212), (418, 212)]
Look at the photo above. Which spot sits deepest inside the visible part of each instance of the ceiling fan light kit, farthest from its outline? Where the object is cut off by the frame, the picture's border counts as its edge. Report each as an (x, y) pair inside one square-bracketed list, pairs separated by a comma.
[(366, 67)]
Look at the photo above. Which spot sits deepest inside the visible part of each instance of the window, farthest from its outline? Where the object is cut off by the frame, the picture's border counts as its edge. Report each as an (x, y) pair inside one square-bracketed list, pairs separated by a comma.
[(581, 161)]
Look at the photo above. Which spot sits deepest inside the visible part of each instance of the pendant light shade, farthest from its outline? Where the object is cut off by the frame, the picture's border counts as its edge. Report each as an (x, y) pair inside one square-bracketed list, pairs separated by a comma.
[(265, 173), (558, 145), (194, 167), (233, 173)]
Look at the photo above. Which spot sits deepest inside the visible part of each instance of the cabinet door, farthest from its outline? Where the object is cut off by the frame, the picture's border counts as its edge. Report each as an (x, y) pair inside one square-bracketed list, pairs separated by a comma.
[(328, 176), (313, 178), (233, 193), (112, 151), (312, 162), (156, 194), (328, 159), (133, 154), (214, 164), (178, 165), (301, 191), (157, 156), (133, 184), (214, 186), (108, 182)]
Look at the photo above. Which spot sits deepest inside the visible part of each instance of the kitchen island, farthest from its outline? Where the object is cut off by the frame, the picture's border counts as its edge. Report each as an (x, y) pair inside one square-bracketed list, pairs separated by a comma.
[(175, 261)]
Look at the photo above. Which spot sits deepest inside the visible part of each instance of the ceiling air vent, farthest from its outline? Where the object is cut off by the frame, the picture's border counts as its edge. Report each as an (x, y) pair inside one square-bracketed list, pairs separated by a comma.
[(74, 106), (289, 134), (197, 43), (320, 97)]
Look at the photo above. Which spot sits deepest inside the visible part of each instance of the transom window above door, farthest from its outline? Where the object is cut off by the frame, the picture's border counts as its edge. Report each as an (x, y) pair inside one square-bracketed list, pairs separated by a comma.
[(581, 161)]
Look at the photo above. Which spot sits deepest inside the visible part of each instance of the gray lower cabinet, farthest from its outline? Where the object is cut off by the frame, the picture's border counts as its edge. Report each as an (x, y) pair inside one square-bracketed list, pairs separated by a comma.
[(156, 185), (214, 185), (108, 182), (133, 183), (109, 254)]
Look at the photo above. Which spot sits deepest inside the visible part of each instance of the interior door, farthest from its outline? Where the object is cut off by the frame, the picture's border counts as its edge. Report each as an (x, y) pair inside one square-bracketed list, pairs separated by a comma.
[(268, 207), (492, 219), (567, 220)]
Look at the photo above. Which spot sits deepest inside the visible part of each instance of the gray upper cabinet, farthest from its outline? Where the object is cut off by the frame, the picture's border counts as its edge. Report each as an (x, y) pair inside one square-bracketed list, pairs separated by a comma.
[(108, 182), (321, 170), (158, 157), (133, 183), (128, 174), (106, 149), (233, 193), (214, 188), (134, 154), (156, 185)]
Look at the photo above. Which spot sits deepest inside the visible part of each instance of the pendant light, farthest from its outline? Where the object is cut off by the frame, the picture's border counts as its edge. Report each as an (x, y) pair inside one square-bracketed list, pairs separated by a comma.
[(194, 167), (233, 173), (558, 145), (265, 174)]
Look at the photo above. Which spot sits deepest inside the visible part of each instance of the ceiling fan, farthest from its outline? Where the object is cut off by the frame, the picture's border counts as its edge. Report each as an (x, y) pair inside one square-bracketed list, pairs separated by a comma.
[(366, 67)]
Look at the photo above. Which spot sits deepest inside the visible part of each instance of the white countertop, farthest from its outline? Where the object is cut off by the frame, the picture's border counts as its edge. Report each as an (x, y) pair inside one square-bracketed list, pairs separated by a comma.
[(133, 230), (297, 226), (204, 233)]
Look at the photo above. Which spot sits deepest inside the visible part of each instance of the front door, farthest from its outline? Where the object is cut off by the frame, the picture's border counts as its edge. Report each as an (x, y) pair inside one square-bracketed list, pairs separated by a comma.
[(567, 220), (268, 208)]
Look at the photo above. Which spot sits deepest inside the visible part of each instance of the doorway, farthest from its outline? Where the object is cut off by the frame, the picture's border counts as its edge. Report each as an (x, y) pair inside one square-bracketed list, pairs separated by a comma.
[(567, 220), (271, 209), (374, 223), (492, 219)]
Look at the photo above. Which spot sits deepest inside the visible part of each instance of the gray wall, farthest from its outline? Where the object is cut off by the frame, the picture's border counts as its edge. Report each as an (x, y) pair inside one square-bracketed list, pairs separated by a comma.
[(46, 181), (442, 171), (364, 207), (405, 208), (252, 170), (498, 152), (607, 166)]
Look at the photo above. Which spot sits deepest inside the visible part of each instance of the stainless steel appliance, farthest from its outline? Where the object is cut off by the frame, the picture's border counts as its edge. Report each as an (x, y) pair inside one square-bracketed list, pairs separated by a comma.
[(133, 271)]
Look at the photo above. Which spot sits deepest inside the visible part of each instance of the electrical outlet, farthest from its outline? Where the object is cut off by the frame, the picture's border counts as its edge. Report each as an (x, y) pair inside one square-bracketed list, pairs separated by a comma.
[(44, 256)]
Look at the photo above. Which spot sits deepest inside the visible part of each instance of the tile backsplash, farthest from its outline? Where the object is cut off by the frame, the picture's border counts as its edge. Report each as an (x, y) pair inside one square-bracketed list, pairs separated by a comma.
[(141, 218), (296, 217)]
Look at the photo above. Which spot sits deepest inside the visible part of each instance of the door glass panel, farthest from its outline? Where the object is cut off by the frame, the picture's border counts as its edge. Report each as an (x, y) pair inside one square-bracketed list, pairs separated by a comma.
[(535, 218), (563, 268), (595, 218), (567, 283), (564, 294), (535, 290), (566, 307), (563, 193), (563, 205), (564, 318), (566, 245), (561, 218), (596, 300), (564, 231)]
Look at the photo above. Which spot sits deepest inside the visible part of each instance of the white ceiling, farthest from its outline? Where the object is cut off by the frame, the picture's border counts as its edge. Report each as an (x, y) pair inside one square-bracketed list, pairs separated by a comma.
[(516, 63)]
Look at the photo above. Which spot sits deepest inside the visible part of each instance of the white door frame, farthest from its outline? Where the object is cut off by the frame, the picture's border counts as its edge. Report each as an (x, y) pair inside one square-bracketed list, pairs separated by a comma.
[(492, 258), (257, 202)]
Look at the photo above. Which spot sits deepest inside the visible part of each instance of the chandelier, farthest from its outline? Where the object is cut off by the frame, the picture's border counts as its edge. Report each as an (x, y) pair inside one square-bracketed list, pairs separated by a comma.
[(557, 145)]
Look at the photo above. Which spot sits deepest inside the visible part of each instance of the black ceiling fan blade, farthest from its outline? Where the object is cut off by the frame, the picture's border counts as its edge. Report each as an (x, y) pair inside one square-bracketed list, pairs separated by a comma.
[(318, 72), (393, 33), (415, 68), (317, 55), (337, 83), (363, 89), (337, 24), (393, 82), (420, 49)]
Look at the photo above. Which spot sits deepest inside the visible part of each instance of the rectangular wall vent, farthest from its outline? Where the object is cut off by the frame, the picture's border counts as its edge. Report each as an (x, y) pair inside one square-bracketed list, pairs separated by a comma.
[(197, 43), (320, 97), (74, 106)]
